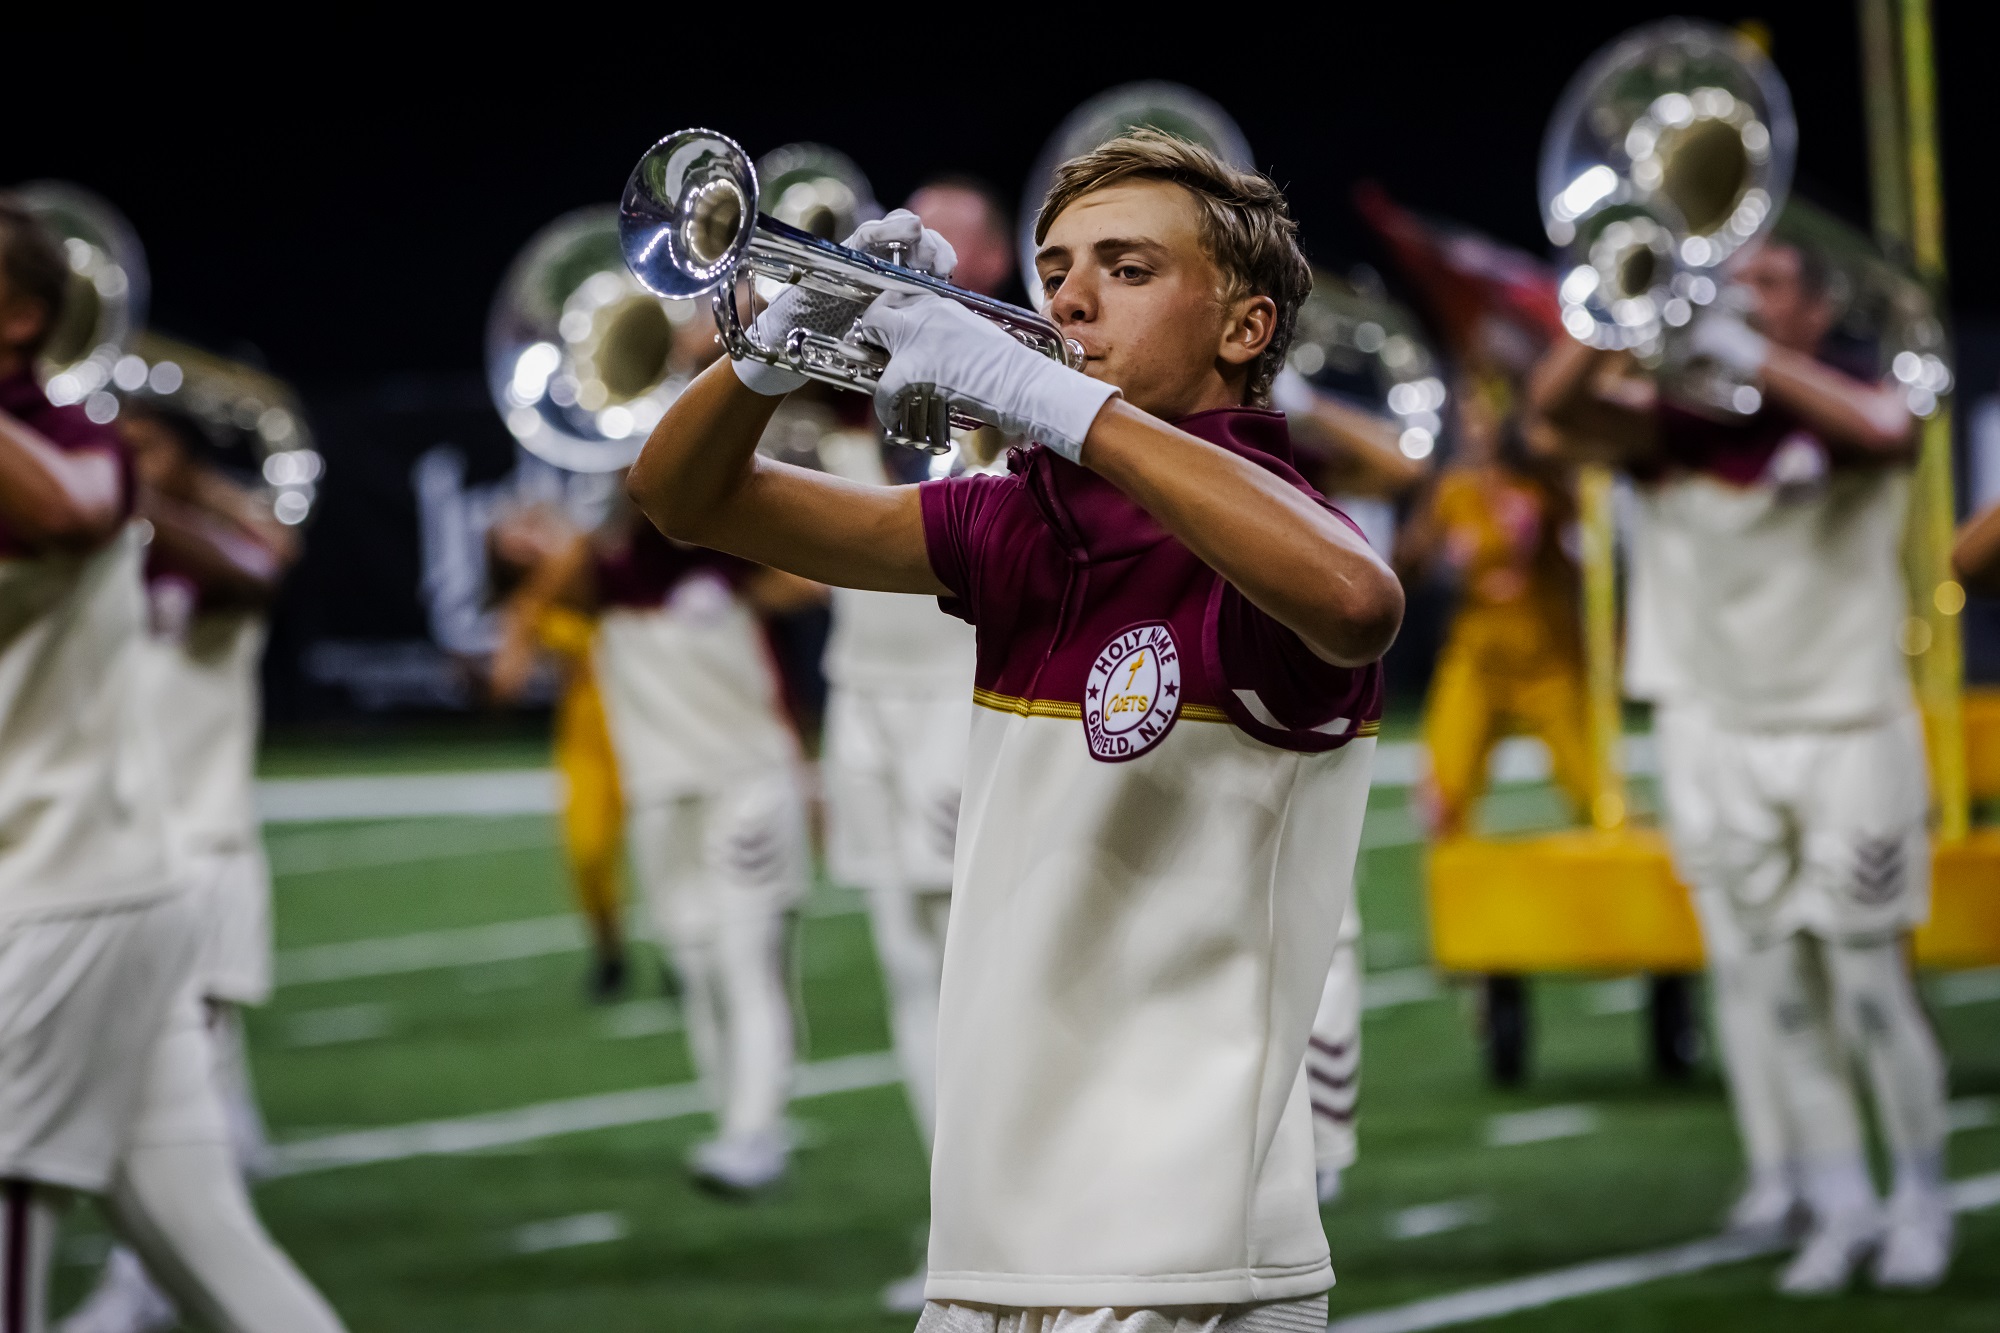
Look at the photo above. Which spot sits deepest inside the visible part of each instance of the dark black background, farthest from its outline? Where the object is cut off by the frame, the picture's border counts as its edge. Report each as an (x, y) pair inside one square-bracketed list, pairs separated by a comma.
[(342, 206), (349, 204)]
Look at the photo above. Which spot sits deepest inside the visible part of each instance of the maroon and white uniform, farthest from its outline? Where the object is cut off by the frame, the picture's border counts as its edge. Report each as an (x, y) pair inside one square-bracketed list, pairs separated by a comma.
[(95, 935), (1162, 809), (709, 764)]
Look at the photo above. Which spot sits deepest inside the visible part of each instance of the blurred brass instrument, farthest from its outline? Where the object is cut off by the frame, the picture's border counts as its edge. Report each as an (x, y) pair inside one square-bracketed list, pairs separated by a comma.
[(103, 352), (1670, 151), (579, 356), (691, 226), (1354, 341)]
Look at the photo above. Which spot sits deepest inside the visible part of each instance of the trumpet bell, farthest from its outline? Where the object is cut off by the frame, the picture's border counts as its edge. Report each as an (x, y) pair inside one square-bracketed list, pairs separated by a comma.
[(688, 213), (1671, 150), (1352, 340)]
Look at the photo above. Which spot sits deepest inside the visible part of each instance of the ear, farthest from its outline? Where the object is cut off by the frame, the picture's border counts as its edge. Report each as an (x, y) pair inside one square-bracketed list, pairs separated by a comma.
[(1248, 330)]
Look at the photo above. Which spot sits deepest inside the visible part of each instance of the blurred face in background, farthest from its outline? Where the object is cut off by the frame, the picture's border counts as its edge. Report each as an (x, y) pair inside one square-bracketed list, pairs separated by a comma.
[(1786, 308), (158, 454), (976, 231)]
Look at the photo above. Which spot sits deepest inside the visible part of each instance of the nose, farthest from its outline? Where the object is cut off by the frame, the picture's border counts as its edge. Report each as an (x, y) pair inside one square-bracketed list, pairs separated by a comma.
[(1075, 302)]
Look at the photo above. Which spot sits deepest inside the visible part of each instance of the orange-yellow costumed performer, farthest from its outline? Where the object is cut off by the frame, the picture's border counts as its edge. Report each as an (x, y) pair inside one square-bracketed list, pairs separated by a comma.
[(593, 806)]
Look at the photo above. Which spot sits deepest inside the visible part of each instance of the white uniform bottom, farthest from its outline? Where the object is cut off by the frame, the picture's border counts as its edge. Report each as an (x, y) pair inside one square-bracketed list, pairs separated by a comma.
[(234, 884), (177, 1198), (720, 870), (83, 999), (1810, 861), (1333, 1054), (1307, 1315), (894, 771)]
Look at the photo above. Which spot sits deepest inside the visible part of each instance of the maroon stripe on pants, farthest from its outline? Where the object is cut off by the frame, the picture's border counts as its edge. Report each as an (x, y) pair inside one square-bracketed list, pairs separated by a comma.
[(14, 1317)]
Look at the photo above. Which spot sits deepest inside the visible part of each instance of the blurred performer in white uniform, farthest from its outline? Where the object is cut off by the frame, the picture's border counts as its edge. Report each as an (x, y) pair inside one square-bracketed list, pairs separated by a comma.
[(214, 563), (1353, 455), (1795, 778), (106, 1068), (715, 808), (899, 708)]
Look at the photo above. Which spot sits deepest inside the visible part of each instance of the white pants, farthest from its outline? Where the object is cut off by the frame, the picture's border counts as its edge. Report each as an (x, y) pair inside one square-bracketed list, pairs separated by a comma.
[(83, 1000), (893, 772), (234, 885), (1333, 1054), (177, 1197), (1833, 1004), (1809, 860), (721, 870)]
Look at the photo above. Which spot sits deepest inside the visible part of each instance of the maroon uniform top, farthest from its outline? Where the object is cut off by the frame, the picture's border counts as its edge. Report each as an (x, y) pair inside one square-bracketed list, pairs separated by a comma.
[(646, 568), (68, 429), (1052, 563)]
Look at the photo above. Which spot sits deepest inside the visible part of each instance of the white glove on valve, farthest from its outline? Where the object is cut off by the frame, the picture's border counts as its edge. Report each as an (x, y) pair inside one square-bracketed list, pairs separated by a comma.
[(900, 237), (1721, 336), (938, 345)]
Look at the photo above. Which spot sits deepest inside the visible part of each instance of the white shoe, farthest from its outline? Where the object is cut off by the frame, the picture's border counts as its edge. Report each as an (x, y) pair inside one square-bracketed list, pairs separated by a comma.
[(906, 1294), (1916, 1247), (125, 1301), (742, 1164), (1328, 1180), (1833, 1249), (1767, 1208)]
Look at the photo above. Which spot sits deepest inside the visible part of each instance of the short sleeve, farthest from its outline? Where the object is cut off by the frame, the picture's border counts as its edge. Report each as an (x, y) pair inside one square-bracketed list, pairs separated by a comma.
[(954, 512), (1277, 689)]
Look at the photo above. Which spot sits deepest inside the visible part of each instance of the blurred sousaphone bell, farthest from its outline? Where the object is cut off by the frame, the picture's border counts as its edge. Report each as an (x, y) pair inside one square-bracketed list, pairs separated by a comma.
[(1670, 151), (579, 356), (102, 352)]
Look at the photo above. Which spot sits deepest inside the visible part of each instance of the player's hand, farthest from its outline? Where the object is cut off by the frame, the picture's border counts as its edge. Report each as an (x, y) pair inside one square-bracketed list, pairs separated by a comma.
[(900, 238), (1720, 335), (939, 346)]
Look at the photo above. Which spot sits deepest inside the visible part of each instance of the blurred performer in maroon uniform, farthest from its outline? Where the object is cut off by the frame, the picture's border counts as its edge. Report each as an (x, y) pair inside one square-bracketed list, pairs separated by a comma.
[(105, 1065)]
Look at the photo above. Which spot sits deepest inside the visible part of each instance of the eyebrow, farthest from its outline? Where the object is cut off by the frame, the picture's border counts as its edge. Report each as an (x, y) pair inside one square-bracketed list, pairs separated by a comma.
[(1106, 249)]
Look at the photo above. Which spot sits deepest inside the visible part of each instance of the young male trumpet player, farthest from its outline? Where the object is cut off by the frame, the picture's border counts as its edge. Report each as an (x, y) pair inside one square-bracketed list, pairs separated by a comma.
[(1177, 685)]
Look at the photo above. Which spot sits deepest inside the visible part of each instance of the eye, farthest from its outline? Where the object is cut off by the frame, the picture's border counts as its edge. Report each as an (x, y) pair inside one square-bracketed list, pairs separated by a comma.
[(1130, 272), (1052, 281)]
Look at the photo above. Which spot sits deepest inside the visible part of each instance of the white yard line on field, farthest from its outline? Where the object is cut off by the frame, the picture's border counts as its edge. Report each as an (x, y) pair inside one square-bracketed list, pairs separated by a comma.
[(1564, 1284), (572, 1115), (535, 791)]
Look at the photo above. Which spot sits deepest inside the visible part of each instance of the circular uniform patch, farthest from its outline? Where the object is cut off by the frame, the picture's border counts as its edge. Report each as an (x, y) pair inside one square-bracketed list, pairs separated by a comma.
[(1133, 693)]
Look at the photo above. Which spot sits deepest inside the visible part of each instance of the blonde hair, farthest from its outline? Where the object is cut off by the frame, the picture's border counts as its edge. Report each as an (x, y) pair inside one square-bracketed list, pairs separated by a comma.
[(1247, 227)]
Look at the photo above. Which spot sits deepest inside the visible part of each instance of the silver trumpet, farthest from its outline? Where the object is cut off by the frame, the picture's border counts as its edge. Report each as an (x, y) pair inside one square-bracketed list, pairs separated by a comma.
[(690, 227)]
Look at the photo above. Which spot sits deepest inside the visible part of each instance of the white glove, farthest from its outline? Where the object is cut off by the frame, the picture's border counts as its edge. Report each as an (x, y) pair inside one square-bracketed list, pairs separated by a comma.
[(937, 345), (1721, 336), (902, 232)]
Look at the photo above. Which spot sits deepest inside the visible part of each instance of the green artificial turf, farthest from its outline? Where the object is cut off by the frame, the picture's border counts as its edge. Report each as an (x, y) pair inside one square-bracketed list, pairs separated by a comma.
[(437, 1242)]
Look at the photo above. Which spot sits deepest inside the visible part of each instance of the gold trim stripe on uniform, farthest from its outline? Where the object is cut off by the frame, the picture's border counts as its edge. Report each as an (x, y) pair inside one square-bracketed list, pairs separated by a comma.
[(1012, 703), (1009, 703)]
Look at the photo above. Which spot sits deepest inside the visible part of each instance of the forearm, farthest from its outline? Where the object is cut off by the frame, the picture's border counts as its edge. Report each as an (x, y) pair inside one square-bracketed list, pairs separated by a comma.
[(1975, 557), (699, 480), (1363, 452), (230, 567), (48, 497), (1287, 554), (1849, 415)]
